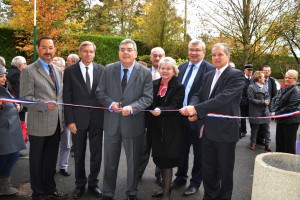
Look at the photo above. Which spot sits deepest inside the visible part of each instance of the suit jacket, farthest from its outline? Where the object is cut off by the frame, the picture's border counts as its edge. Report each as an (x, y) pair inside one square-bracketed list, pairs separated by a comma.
[(272, 87), (36, 84), (76, 92), (13, 77), (204, 68), (224, 99), (245, 100), (137, 94)]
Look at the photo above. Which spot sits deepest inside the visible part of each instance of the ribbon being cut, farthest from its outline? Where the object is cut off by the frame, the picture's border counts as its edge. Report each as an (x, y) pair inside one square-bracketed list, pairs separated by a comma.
[(21, 101)]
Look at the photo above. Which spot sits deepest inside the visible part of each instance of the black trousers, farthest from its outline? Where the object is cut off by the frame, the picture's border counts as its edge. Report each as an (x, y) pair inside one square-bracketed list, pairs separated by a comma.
[(217, 169), (286, 135), (244, 113), (190, 137), (95, 136), (42, 163)]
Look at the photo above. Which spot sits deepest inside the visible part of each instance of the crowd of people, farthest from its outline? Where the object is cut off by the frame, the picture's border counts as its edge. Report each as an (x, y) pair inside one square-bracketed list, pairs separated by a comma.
[(68, 95)]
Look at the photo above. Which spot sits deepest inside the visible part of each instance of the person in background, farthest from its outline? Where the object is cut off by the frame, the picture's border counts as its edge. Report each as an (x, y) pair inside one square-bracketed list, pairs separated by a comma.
[(220, 93), (157, 53), (191, 75), (270, 84), (65, 140), (80, 83), (71, 60), (125, 88), (259, 100), (2, 61), (165, 127), (232, 64), (42, 81), (287, 100), (11, 137), (142, 63), (244, 105)]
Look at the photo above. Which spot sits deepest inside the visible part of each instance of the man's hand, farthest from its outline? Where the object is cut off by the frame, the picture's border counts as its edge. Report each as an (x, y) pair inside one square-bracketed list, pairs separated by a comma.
[(156, 112), (72, 127), (193, 118), (188, 111), (126, 111), (116, 107), (51, 105)]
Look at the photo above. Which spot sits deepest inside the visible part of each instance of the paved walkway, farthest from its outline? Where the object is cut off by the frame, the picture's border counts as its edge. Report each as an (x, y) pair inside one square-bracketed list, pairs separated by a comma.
[(243, 176)]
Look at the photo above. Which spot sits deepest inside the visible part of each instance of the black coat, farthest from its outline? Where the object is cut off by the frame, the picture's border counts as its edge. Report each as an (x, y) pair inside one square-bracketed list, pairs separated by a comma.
[(166, 129), (287, 100)]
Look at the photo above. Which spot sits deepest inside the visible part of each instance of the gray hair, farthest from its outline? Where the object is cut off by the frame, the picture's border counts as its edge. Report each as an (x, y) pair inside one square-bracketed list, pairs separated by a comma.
[(161, 50), (61, 60), (17, 61), (86, 43), (2, 61), (74, 57), (171, 62), (292, 73), (128, 41), (224, 46), (196, 42)]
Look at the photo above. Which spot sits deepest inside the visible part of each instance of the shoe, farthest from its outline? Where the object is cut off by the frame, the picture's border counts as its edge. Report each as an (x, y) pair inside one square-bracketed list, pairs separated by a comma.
[(253, 147), (77, 192), (106, 198), (65, 172), (131, 197), (177, 184), (157, 193), (96, 190), (190, 190), (268, 148), (57, 195)]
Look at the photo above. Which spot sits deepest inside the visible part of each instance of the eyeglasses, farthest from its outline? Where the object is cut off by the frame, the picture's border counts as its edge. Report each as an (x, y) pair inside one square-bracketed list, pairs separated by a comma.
[(195, 50), (289, 78)]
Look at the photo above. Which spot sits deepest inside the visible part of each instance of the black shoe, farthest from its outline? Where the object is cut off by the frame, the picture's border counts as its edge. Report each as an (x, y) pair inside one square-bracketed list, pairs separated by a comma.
[(176, 184), (157, 193), (65, 172), (77, 193), (106, 198), (190, 190), (131, 197), (57, 195), (96, 190)]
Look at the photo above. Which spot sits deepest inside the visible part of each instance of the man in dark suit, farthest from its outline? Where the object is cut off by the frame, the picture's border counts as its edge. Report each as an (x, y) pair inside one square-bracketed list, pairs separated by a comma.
[(126, 89), (80, 83), (42, 81), (191, 74), (220, 93), (244, 105)]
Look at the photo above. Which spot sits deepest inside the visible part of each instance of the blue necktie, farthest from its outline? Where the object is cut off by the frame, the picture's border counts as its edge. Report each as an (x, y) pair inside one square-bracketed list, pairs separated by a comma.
[(188, 76)]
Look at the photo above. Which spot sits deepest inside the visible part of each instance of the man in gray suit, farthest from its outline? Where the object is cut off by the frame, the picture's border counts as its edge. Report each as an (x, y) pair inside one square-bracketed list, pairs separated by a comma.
[(126, 89), (42, 81), (220, 93)]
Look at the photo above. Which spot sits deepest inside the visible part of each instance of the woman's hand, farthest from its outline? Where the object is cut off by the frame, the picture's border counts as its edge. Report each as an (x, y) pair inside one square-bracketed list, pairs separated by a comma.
[(156, 112)]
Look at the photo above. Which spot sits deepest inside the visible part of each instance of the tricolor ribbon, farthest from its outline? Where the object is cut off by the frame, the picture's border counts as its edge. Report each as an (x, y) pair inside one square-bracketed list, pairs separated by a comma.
[(215, 115)]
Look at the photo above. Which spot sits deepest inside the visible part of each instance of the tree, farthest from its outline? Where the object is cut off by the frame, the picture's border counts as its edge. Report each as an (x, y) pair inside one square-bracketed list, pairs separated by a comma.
[(246, 25), (54, 19), (159, 25)]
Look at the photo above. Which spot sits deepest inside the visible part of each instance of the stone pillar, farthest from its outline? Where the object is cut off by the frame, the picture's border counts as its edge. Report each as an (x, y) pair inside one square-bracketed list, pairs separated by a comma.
[(276, 176)]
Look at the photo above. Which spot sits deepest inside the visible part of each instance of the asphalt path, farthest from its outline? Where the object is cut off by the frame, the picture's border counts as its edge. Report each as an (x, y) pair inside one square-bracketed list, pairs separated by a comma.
[(243, 176)]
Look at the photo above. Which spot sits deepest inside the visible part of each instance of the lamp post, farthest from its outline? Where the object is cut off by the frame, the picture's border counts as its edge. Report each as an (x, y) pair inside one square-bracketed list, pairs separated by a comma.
[(34, 32)]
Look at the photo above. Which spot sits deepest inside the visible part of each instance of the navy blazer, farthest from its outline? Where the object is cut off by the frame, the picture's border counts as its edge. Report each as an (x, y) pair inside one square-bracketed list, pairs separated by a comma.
[(224, 99), (76, 92)]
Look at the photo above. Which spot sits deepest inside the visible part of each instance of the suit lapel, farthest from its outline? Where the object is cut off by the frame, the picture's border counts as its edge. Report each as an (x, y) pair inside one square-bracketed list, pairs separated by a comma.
[(134, 74), (79, 76), (116, 75), (43, 72), (182, 71), (95, 77), (224, 74)]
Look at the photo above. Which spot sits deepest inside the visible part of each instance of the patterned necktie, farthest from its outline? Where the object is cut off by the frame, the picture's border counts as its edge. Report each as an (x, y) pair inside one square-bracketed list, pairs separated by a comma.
[(87, 80), (188, 76), (51, 74), (124, 80)]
